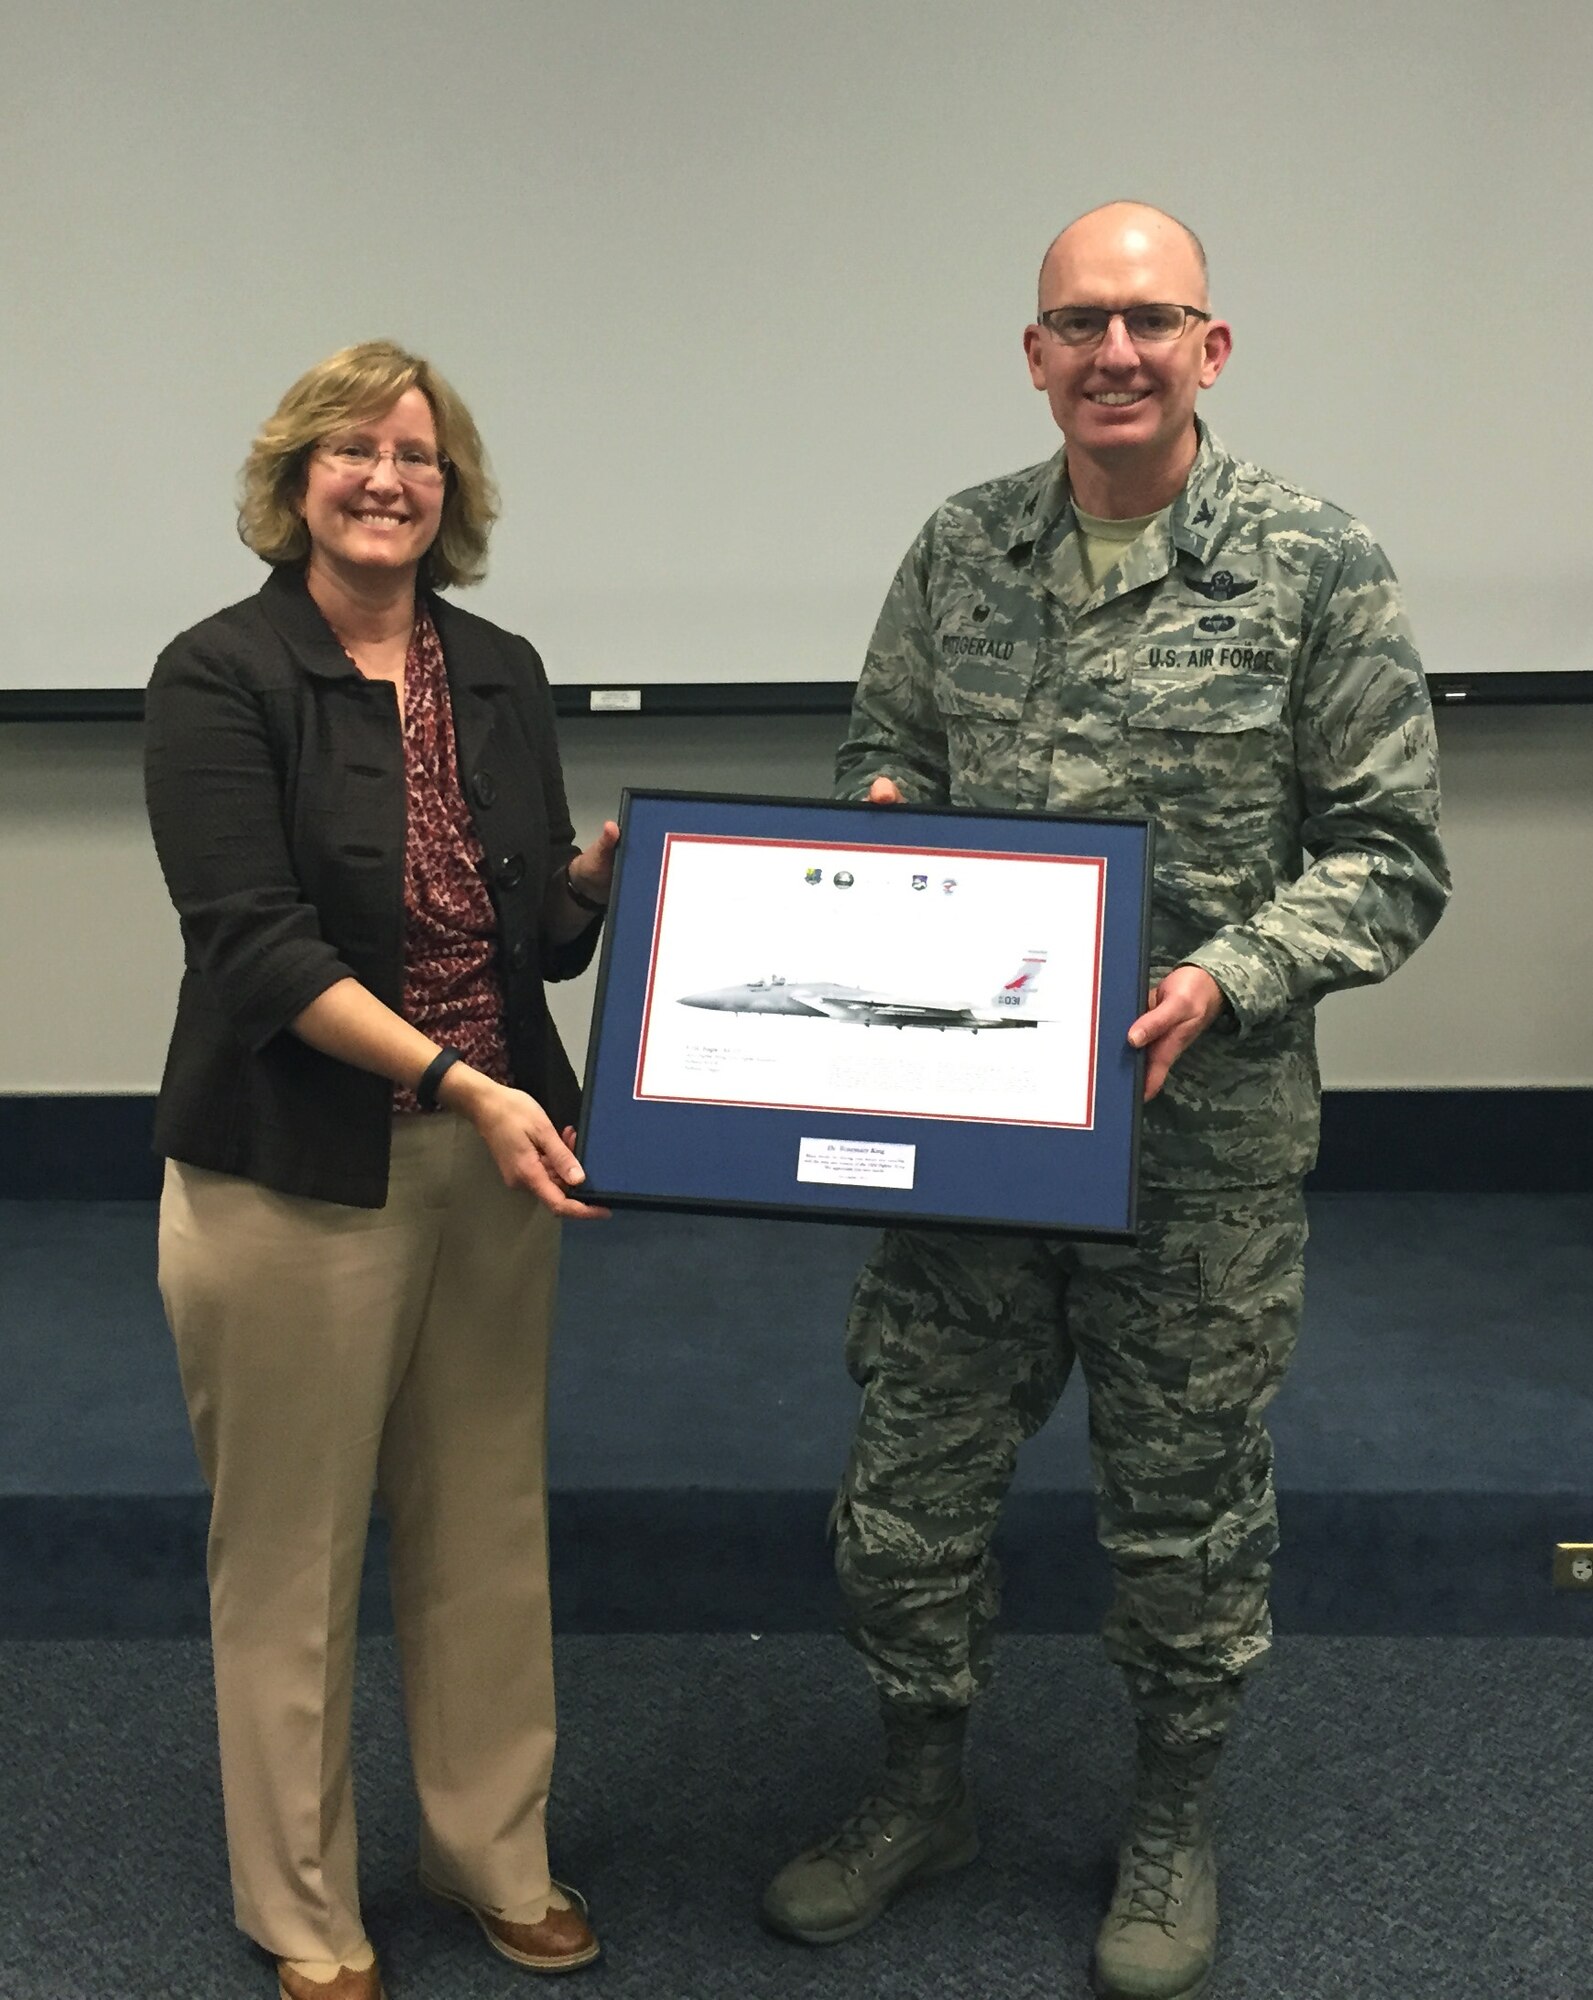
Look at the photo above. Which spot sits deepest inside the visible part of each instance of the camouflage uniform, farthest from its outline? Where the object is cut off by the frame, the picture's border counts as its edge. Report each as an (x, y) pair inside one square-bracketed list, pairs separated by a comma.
[(1246, 678)]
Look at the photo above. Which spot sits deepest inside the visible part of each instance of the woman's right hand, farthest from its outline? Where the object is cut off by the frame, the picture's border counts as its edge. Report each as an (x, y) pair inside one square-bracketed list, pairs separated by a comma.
[(526, 1148)]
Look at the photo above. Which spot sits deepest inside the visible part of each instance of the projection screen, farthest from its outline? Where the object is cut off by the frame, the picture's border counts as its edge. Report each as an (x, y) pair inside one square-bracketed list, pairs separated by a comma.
[(736, 291)]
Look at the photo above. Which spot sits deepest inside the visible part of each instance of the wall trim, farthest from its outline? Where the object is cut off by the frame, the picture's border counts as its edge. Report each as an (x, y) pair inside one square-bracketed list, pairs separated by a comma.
[(660, 1559), (64, 1148), (1565, 688), (1526, 1141), (1494, 1141)]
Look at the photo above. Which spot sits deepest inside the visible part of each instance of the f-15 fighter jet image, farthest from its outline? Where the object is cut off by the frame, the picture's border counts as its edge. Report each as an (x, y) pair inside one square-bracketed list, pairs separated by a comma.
[(821, 1000)]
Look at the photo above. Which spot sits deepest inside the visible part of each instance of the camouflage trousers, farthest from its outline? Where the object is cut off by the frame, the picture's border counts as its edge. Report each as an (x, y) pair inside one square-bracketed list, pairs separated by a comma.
[(962, 1345)]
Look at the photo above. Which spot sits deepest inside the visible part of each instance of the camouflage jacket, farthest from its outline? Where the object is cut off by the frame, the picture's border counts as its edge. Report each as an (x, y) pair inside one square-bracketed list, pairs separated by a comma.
[(1245, 677)]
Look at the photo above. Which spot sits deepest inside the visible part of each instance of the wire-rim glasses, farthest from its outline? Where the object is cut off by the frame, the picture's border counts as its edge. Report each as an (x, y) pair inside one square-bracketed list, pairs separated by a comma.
[(414, 464)]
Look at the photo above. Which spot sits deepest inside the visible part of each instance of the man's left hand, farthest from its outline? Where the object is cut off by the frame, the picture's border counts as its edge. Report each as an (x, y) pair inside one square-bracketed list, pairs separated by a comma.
[(1182, 1007)]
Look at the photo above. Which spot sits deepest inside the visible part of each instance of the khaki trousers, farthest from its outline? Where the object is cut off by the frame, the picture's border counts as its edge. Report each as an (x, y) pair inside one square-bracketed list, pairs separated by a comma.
[(328, 1352)]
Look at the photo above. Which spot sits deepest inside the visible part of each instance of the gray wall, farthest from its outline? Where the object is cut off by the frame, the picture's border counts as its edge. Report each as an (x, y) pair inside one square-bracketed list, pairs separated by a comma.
[(736, 293), (88, 972)]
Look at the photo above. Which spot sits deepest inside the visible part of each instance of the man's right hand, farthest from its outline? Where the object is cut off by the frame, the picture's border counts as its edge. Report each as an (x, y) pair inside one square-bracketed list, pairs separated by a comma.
[(883, 792)]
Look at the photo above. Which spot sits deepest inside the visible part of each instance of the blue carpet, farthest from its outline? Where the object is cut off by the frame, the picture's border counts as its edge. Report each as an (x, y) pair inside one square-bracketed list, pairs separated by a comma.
[(1400, 1820)]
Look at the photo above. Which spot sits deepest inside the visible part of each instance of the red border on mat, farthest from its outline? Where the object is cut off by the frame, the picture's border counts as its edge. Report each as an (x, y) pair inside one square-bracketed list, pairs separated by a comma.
[(939, 854)]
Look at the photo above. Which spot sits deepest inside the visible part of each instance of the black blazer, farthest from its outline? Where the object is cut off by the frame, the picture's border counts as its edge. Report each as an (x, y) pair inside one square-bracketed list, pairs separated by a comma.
[(274, 773)]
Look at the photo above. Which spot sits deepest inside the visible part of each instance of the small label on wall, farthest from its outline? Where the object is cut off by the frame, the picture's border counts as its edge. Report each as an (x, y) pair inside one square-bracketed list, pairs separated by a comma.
[(615, 700)]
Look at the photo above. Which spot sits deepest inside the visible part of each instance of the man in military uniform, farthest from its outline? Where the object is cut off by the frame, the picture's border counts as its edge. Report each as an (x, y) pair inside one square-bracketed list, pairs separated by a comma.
[(1145, 624)]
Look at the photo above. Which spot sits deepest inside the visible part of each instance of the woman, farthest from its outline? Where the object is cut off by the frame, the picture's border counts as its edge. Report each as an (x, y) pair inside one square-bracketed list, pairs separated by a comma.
[(357, 802)]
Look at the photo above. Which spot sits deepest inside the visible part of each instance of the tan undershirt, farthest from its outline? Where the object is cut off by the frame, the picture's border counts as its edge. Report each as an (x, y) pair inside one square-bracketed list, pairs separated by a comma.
[(1103, 543)]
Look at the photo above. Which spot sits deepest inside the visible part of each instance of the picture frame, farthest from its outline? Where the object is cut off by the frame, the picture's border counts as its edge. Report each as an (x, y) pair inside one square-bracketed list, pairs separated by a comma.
[(906, 1015)]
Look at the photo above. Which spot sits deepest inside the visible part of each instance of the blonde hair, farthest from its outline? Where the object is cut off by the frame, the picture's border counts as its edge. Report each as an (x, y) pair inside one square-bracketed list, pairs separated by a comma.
[(350, 387)]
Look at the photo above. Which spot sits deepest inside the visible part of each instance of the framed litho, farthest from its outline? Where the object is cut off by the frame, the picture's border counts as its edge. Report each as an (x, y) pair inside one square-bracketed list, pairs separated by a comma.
[(859, 1013)]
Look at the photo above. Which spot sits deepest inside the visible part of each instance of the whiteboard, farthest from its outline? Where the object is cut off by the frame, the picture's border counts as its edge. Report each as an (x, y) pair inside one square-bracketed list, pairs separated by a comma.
[(736, 290)]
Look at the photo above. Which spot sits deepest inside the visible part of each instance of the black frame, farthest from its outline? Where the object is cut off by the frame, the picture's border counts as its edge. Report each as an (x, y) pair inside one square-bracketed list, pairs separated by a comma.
[(665, 1153)]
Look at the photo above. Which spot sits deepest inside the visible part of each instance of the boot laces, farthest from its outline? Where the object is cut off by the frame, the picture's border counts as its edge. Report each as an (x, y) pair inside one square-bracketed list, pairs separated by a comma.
[(1153, 1883), (862, 1833), (920, 1782), (1163, 1832)]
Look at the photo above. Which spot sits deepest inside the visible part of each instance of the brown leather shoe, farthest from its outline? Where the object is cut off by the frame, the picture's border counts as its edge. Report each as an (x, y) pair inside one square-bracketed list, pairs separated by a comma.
[(560, 1942), (348, 1985)]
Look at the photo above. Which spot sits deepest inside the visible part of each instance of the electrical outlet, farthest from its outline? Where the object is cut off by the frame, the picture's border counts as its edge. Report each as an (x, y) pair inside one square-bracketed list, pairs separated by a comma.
[(1573, 1565)]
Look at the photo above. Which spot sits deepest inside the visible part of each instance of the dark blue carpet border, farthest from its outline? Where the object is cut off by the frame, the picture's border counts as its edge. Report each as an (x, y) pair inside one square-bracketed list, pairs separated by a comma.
[(97, 1148), (1388, 1565)]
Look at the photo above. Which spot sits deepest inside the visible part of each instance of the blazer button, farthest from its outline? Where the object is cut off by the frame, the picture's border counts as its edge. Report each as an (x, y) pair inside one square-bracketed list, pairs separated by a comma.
[(519, 955), (511, 871), (485, 787)]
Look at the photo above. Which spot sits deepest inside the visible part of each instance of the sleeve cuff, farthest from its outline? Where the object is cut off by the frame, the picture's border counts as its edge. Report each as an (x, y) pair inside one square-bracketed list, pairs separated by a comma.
[(912, 787), (1249, 982)]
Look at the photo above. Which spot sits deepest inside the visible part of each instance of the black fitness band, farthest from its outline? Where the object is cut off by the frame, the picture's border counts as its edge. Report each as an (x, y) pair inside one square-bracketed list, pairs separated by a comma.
[(582, 902), (432, 1075)]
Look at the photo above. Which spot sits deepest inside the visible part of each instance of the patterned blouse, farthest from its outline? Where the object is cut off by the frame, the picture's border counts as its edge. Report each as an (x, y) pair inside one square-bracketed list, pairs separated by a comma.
[(451, 986)]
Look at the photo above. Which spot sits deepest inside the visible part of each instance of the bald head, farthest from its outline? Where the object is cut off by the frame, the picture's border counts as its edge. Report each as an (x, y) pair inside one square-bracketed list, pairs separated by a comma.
[(1126, 232), (1124, 396)]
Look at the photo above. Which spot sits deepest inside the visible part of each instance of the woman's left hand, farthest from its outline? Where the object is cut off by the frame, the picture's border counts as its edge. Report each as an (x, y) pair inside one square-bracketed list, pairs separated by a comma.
[(592, 870)]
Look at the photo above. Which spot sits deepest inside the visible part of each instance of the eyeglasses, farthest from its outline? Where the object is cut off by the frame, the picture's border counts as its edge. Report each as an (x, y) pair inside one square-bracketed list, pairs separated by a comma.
[(1085, 326), (412, 463)]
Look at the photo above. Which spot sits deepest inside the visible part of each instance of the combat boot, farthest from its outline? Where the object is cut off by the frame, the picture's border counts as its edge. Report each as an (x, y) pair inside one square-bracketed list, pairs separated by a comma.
[(1160, 1934), (918, 1823)]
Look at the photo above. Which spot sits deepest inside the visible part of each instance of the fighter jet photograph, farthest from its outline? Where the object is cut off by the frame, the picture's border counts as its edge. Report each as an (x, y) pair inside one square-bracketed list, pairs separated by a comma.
[(822, 1000)]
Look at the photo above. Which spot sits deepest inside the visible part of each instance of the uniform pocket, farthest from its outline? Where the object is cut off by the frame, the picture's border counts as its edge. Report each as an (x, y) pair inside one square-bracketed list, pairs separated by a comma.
[(990, 688), (1207, 704), (1251, 1284), (1219, 736), (983, 702)]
